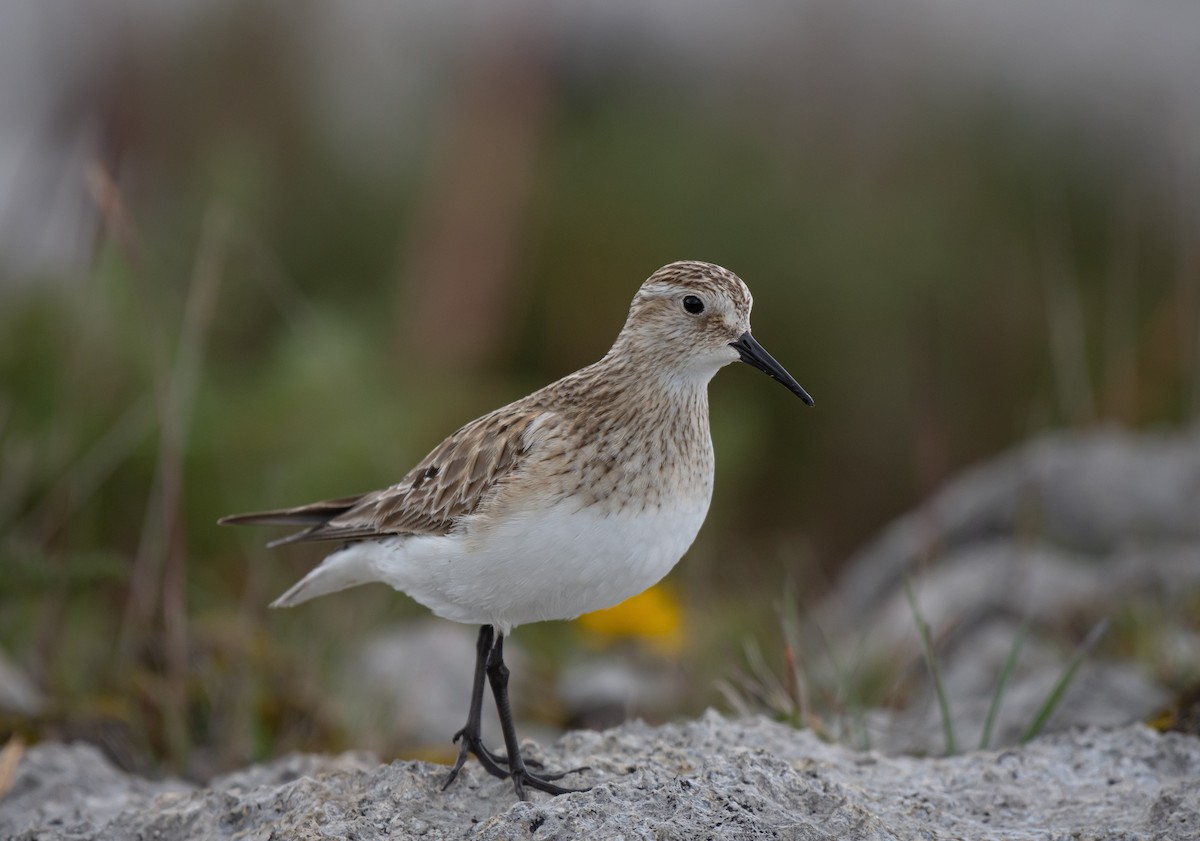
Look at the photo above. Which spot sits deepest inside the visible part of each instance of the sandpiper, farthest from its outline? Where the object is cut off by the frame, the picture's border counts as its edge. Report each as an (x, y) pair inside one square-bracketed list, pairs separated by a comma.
[(570, 500)]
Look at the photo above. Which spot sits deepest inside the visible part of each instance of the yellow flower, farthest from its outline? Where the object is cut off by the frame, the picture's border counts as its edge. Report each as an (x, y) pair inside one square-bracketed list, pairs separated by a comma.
[(653, 616)]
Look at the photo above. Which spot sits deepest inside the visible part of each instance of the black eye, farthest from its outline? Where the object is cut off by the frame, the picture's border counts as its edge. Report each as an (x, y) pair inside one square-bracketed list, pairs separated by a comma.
[(693, 305)]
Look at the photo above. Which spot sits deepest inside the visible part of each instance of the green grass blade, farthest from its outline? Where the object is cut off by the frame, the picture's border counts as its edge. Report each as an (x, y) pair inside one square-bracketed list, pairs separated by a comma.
[(1055, 697), (1002, 682), (934, 673)]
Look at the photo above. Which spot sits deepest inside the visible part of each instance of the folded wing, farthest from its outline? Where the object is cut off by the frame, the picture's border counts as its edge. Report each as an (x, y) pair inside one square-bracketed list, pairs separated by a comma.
[(450, 483)]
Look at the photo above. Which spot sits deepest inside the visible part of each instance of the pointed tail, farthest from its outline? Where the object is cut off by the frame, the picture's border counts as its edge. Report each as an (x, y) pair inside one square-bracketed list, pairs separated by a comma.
[(345, 568)]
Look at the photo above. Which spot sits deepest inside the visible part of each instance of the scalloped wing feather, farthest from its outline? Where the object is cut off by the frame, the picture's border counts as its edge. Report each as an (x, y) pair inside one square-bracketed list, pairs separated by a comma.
[(447, 485)]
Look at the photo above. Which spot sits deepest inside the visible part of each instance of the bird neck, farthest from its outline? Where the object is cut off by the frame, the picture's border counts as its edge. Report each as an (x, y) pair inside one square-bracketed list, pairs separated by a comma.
[(656, 375)]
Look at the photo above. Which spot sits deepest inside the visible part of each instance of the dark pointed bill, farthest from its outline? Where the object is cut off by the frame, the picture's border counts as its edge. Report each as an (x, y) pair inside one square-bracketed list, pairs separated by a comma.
[(752, 353)]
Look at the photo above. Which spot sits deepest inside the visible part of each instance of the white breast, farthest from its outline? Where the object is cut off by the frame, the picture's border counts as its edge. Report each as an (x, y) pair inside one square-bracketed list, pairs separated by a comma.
[(554, 563)]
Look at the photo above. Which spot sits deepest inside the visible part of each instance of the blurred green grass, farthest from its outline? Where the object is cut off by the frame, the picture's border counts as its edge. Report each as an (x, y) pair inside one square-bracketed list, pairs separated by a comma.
[(944, 286)]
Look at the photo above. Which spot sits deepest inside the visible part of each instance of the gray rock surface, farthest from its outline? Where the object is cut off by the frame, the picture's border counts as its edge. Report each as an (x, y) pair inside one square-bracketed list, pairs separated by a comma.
[(1062, 532), (1090, 493), (381, 703), (711, 778), (18, 693)]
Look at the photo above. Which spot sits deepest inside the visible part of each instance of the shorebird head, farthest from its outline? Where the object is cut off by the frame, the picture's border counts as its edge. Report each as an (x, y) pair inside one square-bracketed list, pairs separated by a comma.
[(692, 319)]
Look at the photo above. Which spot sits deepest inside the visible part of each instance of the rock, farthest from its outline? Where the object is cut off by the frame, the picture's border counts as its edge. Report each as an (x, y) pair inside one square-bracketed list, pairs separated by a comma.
[(1061, 533), (711, 778), (73, 789), (1087, 492), (1101, 693), (395, 694), (602, 690), (18, 694)]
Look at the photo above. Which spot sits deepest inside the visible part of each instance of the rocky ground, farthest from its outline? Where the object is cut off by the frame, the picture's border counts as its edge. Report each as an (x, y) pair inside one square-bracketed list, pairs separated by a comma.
[(712, 778)]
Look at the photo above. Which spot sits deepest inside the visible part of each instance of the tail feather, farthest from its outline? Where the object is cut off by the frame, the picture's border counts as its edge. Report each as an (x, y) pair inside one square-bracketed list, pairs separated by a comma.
[(346, 568), (314, 516)]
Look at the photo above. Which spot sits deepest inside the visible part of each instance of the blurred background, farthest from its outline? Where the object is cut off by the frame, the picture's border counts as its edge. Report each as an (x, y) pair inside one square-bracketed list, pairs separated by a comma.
[(258, 254)]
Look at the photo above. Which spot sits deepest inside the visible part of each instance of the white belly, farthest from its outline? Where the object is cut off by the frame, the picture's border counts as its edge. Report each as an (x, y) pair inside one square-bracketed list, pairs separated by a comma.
[(554, 564)]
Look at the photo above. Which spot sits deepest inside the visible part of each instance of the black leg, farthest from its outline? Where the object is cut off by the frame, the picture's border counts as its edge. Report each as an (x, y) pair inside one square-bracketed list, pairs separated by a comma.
[(471, 735), (497, 674)]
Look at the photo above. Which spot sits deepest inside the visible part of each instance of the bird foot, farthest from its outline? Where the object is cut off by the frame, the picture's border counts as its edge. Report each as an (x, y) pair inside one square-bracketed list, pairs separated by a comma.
[(543, 782), (471, 743), (494, 763)]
